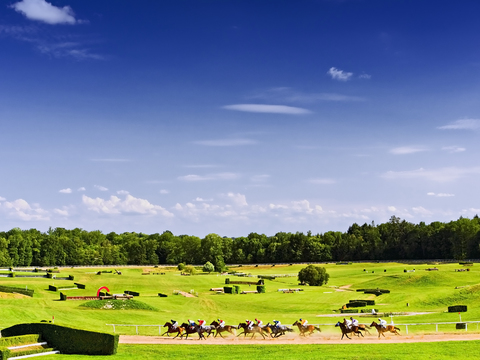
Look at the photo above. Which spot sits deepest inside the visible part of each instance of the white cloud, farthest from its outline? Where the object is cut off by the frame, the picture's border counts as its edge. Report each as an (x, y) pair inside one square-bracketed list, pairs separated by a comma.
[(321, 181), (286, 94), (237, 199), (130, 205), (70, 50), (392, 208), (221, 176), (271, 109), (404, 150), (24, 211), (440, 194), (164, 192), (436, 175), (41, 10), (81, 189), (62, 212), (463, 124), (340, 75), (65, 191), (421, 210), (226, 142), (453, 149), (365, 76), (101, 188), (123, 192), (2, 198)]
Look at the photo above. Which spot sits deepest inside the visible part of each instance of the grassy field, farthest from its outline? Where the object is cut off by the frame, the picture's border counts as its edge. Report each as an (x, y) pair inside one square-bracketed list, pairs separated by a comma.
[(437, 351), (424, 291)]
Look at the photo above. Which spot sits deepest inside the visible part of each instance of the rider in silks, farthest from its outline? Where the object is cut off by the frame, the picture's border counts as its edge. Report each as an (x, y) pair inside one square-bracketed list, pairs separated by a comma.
[(191, 322), (354, 321), (259, 322), (348, 323), (277, 323), (304, 322), (249, 324), (201, 323), (174, 324), (221, 323), (383, 323)]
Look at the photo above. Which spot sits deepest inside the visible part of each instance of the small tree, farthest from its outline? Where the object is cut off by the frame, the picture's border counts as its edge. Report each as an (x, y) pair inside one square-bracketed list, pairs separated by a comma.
[(208, 267), (181, 266), (313, 275), (190, 270)]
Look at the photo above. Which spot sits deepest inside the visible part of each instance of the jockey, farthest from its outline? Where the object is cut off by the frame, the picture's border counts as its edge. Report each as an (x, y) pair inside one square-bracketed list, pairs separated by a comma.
[(348, 323), (277, 323), (249, 324), (174, 324), (221, 323), (259, 322), (354, 321), (383, 323), (304, 322), (191, 322), (201, 323)]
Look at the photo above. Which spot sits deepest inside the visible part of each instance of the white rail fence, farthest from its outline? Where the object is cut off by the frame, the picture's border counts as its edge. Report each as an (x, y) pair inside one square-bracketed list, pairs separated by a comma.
[(398, 325)]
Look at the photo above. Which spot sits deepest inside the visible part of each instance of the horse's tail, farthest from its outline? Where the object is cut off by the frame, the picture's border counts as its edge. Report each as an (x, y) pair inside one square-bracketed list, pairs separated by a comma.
[(367, 327), (318, 328), (396, 328)]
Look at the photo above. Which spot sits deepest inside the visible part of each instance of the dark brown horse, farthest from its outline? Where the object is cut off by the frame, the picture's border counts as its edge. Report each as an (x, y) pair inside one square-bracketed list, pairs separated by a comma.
[(254, 330), (388, 328), (361, 327), (306, 330), (172, 330), (346, 330), (220, 329), (196, 329)]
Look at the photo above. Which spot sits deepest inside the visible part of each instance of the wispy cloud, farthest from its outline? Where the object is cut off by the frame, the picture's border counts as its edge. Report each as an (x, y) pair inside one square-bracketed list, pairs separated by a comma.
[(164, 192), (440, 194), (226, 142), (101, 188), (123, 192), (463, 124), (41, 10), (435, 175), (268, 109), (221, 176), (365, 76), (65, 191), (405, 150), (339, 75), (454, 149), (131, 205), (201, 166), (81, 189)]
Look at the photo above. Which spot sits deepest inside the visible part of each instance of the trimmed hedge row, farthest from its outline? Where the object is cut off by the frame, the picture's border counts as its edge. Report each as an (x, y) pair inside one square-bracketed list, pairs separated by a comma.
[(261, 289), (353, 304), (10, 289), (235, 289), (20, 340), (133, 293), (368, 311), (349, 311), (68, 340), (457, 308), (80, 286), (369, 302)]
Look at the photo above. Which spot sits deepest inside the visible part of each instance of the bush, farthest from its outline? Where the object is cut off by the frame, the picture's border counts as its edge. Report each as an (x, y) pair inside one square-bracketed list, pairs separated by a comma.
[(181, 266), (190, 270), (208, 267), (349, 311), (236, 289), (368, 311), (368, 302), (227, 281), (80, 286), (356, 304), (52, 288), (261, 289), (68, 340), (313, 275), (133, 293), (63, 297), (457, 308), (460, 326), (9, 289)]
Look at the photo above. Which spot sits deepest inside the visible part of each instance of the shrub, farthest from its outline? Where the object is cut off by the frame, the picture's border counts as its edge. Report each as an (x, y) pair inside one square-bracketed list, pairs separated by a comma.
[(181, 266), (9, 289), (261, 289), (368, 302), (236, 289), (52, 288), (190, 270), (68, 340), (227, 281), (313, 275), (349, 311), (356, 304), (228, 290), (133, 293), (80, 286), (457, 308), (208, 267)]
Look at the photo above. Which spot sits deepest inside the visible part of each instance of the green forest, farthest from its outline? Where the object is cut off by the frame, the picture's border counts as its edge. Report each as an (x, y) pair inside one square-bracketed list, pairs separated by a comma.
[(396, 239)]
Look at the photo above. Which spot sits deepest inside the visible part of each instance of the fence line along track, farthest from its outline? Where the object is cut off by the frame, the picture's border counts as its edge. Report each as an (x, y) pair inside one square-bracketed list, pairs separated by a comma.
[(406, 325)]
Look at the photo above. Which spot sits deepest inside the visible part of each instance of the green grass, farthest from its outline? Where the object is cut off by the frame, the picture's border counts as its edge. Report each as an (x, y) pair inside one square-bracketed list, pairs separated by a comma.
[(118, 305), (437, 351), (424, 292)]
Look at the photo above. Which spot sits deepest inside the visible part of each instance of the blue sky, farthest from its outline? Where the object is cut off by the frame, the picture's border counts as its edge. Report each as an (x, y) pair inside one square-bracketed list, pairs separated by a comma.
[(237, 116)]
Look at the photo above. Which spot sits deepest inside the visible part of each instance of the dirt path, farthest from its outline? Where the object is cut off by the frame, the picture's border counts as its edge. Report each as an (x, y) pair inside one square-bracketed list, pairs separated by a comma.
[(295, 339)]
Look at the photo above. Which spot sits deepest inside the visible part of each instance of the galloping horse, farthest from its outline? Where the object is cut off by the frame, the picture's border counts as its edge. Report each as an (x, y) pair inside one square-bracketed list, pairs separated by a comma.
[(219, 329), (254, 330), (197, 329), (389, 328), (346, 330), (179, 330), (306, 329), (276, 331), (361, 327)]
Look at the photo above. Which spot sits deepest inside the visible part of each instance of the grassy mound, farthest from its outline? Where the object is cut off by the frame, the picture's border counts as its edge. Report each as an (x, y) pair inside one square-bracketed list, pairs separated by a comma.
[(118, 305)]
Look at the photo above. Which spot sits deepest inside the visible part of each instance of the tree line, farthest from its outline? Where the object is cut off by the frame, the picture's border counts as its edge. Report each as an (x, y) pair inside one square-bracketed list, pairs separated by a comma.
[(394, 240)]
